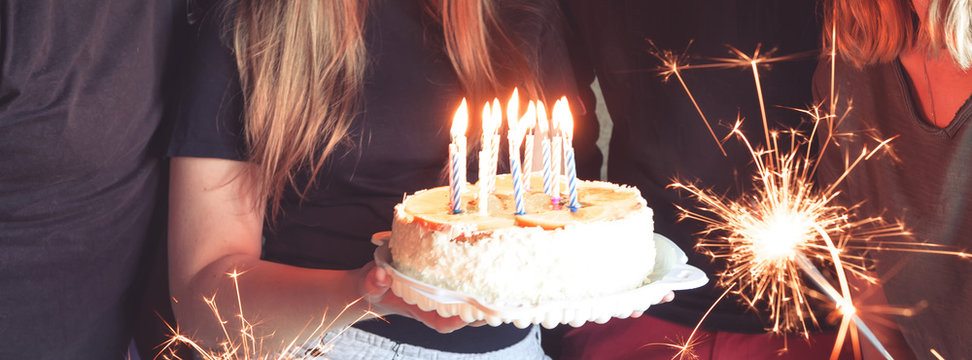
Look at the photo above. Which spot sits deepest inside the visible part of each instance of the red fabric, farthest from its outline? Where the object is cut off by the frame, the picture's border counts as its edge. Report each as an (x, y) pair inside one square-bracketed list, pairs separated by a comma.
[(630, 339)]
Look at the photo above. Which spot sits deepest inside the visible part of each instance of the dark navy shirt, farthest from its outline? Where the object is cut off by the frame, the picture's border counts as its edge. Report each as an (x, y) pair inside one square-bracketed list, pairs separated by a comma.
[(81, 99), (658, 136), (396, 146), (924, 181)]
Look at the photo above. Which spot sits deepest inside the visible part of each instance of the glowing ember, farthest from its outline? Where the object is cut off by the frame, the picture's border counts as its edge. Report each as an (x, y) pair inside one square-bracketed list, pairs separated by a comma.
[(777, 240)]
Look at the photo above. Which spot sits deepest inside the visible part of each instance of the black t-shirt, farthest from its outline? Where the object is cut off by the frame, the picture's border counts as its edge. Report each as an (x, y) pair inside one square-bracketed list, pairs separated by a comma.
[(397, 146), (925, 181), (80, 102), (658, 135)]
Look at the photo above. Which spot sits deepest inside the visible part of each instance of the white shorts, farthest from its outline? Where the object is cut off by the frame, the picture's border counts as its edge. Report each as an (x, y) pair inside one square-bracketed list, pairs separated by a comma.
[(355, 344)]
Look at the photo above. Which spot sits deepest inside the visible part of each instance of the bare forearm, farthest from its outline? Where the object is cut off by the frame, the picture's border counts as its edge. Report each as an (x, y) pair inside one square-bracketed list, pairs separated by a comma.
[(285, 301), (215, 228)]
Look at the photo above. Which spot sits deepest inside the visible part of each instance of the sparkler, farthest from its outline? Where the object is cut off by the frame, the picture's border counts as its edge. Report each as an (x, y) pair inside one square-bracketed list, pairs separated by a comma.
[(769, 237), (247, 345)]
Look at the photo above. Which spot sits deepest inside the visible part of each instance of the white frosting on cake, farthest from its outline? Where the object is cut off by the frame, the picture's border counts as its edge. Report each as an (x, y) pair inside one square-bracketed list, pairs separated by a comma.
[(604, 250)]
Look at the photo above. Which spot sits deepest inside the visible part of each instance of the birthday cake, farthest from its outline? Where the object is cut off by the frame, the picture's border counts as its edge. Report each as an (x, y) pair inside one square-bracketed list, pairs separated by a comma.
[(550, 253)]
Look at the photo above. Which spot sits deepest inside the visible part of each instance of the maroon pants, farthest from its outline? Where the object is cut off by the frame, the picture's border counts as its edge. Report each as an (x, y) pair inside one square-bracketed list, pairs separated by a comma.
[(644, 338)]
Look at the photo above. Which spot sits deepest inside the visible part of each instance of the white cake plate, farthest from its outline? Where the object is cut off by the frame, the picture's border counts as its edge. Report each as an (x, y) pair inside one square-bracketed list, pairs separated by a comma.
[(671, 273)]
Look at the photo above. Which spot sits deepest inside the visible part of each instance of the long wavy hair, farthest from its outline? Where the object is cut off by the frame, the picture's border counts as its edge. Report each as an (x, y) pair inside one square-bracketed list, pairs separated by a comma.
[(876, 31), (302, 67)]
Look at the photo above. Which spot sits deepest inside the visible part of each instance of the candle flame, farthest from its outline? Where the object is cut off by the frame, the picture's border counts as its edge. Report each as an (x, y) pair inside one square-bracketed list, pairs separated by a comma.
[(529, 119), (563, 120), (487, 119), (542, 121), (496, 120), (461, 120), (513, 108)]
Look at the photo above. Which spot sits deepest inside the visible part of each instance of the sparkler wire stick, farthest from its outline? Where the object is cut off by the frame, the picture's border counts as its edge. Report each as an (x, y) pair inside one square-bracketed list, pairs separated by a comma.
[(762, 106), (685, 348), (818, 279), (245, 329), (678, 76)]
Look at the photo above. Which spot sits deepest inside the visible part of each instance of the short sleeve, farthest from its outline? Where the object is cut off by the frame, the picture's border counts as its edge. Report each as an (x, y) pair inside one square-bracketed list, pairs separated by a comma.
[(208, 119)]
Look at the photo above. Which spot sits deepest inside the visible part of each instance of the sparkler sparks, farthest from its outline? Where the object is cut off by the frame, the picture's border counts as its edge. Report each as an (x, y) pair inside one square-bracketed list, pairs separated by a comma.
[(248, 345), (770, 237)]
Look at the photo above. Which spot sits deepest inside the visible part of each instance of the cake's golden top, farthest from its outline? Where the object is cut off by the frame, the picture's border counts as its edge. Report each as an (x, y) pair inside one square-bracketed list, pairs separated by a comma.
[(600, 201)]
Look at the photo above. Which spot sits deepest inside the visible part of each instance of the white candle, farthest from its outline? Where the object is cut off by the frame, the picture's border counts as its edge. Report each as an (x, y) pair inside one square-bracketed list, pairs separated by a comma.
[(457, 157), (455, 199), (555, 158), (528, 122), (565, 121), (514, 136), (545, 153), (496, 122), (485, 161)]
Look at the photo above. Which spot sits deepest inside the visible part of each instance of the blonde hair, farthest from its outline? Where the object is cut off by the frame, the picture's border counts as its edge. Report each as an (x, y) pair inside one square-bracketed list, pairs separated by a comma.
[(950, 26), (877, 31), (302, 66)]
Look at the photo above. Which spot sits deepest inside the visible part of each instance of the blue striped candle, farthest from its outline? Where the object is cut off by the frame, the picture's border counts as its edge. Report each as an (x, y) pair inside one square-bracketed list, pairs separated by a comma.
[(517, 183), (528, 122), (455, 182), (544, 131), (547, 180), (564, 122), (528, 162), (457, 157), (572, 180), (514, 137), (556, 154)]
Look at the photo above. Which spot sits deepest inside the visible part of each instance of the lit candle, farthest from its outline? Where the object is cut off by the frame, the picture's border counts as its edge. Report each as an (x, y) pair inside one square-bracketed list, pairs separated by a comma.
[(457, 157), (555, 154), (484, 160), (496, 122), (565, 120), (514, 137), (528, 122), (545, 148)]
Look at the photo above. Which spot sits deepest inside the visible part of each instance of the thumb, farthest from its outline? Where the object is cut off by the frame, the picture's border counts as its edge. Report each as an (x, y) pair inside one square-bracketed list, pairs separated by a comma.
[(377, 283)]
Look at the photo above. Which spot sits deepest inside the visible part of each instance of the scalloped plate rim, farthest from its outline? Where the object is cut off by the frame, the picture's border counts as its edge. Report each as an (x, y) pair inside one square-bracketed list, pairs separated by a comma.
[(680, 276)]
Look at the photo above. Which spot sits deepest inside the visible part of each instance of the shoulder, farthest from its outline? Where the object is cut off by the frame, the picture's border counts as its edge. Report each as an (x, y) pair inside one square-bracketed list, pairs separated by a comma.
[(532, 19), (848, 77), (866, 90)]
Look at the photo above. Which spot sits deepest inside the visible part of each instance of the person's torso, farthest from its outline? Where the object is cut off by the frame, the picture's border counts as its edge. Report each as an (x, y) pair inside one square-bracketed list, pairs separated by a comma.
[(658, 136), (396, 146), (80, 104), (923, 180)]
